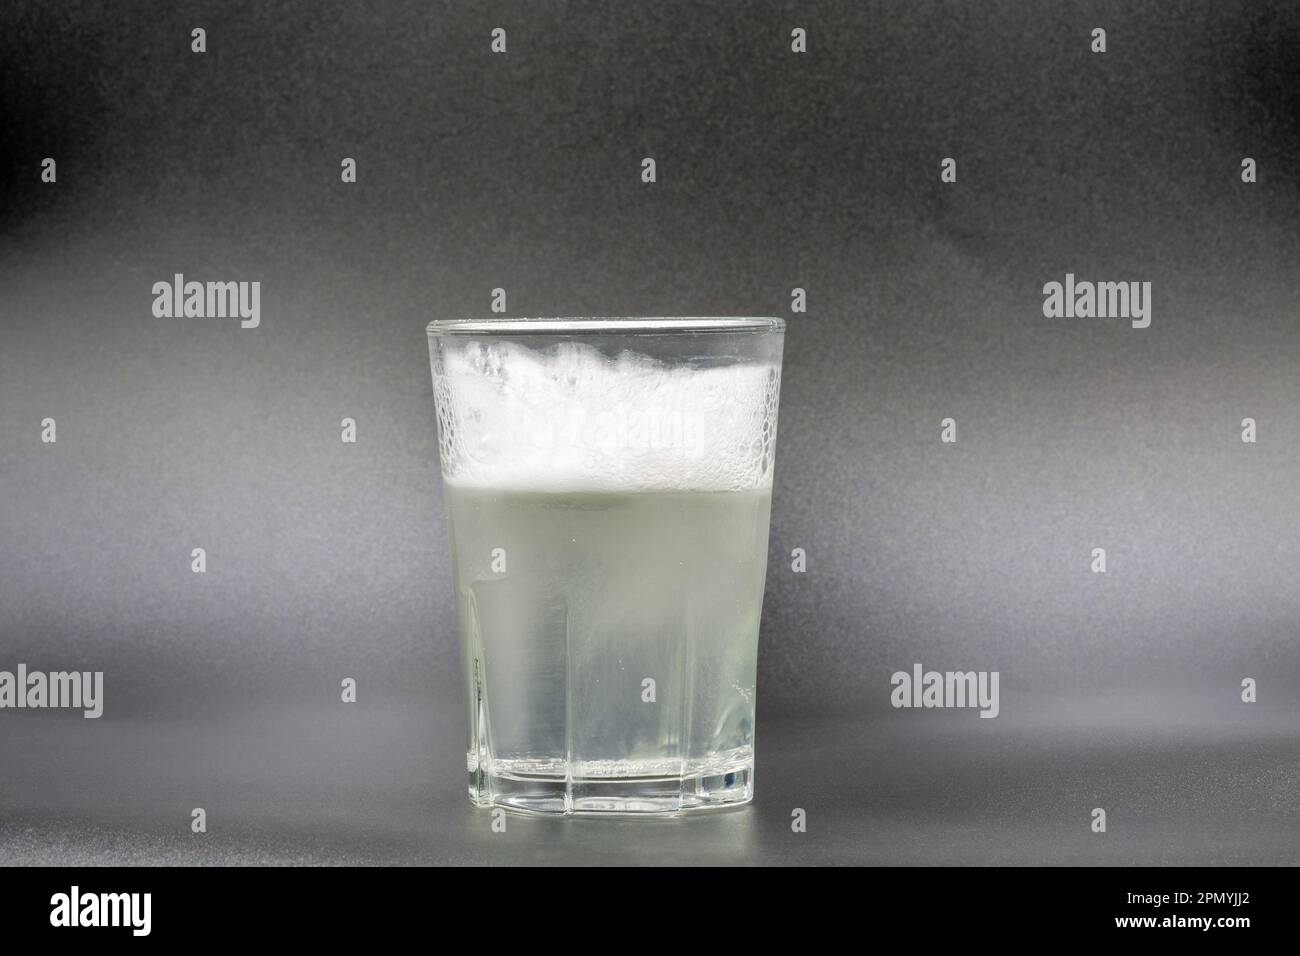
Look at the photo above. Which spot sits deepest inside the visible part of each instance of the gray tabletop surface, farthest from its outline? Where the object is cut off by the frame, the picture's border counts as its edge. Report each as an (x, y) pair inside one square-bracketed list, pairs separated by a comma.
[(351, 785)]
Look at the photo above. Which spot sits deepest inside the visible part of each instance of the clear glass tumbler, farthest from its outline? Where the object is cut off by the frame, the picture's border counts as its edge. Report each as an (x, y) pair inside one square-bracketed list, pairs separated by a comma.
[(608, 486)]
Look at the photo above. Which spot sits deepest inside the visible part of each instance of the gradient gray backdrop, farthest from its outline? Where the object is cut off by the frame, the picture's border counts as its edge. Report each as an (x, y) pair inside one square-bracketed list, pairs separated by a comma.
[(328, 560)]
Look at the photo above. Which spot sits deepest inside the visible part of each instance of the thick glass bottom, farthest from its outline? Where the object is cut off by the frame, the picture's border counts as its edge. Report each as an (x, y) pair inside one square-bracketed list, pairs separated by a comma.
[(622, 787)]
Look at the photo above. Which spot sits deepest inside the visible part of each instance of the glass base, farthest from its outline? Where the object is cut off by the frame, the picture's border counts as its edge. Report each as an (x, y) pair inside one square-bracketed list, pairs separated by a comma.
[(709, 789)]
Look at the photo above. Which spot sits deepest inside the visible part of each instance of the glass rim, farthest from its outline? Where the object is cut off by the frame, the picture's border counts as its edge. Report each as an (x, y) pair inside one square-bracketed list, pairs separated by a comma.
[(610, 325)]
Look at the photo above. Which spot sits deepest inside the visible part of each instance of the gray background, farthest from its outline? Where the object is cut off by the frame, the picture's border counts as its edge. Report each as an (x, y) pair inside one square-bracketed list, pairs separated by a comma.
[(328, 560)]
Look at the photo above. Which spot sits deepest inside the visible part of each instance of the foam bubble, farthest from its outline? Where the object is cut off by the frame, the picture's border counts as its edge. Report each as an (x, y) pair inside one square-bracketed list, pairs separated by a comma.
[(573, 419)]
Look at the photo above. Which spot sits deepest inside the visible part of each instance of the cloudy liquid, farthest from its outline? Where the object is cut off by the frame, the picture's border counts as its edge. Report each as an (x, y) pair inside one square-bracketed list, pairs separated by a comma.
[(609, 641)]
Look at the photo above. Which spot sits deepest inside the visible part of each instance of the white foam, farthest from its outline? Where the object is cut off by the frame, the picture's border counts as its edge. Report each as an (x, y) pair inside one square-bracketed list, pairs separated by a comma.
[(572, 419)]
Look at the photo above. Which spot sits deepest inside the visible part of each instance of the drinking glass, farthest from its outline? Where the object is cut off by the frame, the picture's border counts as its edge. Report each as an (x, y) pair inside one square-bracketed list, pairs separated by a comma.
[(608, 485)]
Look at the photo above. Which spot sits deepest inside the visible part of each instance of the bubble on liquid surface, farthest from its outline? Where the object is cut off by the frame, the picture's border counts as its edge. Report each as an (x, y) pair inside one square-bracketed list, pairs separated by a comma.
[(570, 418)]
